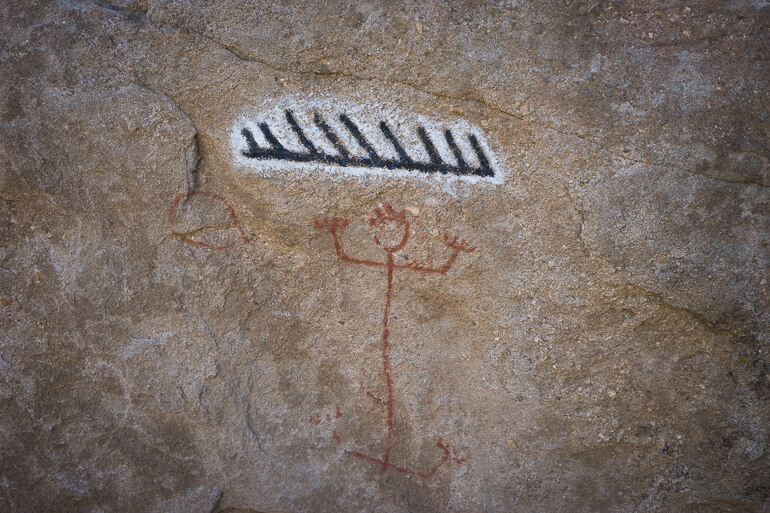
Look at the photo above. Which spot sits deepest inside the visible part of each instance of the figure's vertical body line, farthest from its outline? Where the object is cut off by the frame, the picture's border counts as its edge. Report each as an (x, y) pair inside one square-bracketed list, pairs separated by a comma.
[(386, 362)]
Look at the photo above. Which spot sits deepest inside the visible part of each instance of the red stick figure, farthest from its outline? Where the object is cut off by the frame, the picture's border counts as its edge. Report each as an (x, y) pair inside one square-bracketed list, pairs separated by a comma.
[(392, 233)]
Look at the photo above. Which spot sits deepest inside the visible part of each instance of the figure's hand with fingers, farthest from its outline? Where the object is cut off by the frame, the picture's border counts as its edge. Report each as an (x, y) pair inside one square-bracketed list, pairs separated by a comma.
[(333, 225), (329, 224), (458, 245)]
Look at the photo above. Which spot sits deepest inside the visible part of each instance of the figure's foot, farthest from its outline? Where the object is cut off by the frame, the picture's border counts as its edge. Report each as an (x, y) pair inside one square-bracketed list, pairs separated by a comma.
[(449, 454)]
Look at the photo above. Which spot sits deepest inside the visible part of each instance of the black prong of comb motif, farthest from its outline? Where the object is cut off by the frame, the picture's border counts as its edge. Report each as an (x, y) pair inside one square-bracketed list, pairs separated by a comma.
[(299, 132), (402, 156), (329, 133), (359, 137), (462, 166), (269, 137), (435, 158)]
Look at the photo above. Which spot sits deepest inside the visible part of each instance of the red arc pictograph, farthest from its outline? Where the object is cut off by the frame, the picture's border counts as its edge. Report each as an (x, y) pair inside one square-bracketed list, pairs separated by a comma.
[(190, 237)]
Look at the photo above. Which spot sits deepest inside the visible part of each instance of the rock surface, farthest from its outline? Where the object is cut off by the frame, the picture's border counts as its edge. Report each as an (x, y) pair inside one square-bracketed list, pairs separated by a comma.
[(178, 333)]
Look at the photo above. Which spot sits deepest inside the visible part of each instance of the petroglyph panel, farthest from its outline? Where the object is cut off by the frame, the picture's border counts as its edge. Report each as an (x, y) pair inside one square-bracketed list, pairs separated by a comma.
[(356, 256)]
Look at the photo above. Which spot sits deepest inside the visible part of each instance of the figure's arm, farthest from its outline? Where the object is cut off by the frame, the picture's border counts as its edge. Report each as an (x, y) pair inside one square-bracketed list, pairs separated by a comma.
[(457, 247), (339, 223)]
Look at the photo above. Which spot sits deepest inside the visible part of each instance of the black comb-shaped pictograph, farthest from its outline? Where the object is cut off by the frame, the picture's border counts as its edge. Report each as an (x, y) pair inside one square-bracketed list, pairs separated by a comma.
[(343, 157)]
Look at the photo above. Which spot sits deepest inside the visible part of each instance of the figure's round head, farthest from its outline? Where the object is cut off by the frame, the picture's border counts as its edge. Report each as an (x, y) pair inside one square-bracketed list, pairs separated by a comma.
[(391, 228)]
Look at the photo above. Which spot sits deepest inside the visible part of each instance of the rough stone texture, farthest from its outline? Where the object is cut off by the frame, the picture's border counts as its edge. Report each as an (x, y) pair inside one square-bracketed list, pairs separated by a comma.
[(604, 348)]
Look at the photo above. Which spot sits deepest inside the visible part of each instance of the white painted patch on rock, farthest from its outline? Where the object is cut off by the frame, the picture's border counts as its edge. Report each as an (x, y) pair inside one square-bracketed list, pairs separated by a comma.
[(298, 137)]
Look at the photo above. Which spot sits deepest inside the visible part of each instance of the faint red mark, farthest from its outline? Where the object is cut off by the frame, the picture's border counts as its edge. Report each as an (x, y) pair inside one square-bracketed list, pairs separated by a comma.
[(375, 398), (187, 237), (328, 418), (391, 234)]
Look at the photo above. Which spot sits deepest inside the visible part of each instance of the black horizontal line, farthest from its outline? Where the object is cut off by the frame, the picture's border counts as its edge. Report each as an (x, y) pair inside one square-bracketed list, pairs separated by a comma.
[(343, 158)]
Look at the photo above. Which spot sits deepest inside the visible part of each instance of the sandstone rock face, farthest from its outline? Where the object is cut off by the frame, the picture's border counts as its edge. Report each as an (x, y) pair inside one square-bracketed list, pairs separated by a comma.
[(188, 328)]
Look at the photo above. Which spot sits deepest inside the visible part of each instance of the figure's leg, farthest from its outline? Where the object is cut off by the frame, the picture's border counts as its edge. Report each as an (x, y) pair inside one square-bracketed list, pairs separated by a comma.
[(386, 365)]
